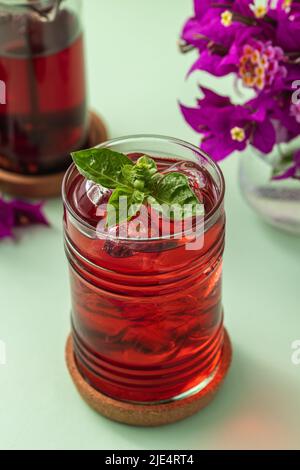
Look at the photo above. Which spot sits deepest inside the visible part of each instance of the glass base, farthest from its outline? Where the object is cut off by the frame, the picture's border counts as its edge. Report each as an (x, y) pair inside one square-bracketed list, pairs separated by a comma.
[(180, 407), (189, 393)]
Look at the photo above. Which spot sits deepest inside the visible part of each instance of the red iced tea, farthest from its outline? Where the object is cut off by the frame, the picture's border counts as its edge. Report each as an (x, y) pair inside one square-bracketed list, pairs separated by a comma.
[(146, 313), (42, 66)]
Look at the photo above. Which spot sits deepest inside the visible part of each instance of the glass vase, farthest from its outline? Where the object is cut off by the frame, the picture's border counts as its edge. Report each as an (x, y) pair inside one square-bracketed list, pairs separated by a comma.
[(275, 201)]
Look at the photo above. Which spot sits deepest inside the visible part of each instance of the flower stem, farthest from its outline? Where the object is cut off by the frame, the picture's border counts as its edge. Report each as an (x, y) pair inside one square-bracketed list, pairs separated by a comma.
[(184, 47)]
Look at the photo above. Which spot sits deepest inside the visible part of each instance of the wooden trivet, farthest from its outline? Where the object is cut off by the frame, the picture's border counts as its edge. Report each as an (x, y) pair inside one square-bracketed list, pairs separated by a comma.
[(148, 415), (47, 186)]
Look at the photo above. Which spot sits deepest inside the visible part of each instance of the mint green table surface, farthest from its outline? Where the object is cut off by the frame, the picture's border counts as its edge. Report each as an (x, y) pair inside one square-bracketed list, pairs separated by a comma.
[(136, 75)]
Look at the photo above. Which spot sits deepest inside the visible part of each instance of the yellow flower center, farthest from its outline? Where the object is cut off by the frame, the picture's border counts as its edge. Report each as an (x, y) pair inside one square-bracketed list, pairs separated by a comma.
[(237, 133), (226, 18), (260, 11), (252, 68)]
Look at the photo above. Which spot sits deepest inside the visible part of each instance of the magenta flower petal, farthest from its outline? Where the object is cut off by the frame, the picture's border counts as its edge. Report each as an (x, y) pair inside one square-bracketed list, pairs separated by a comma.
[(26, 213), (193, 117), (221, 147), (18, 213), (5, 232), (6, 220), (202, 6), (211, 63), (289, 173), (212, 98), (264, 137), (243, 7), (215, 117), (288, 32), (192, 34), (262, 107)]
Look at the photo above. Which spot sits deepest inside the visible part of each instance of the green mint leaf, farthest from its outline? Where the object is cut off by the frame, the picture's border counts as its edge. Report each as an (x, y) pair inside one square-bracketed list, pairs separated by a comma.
[(143, 171), (133, 184), (147, 163), (123, 205), (103, 166), (127, 174), (174, 193)]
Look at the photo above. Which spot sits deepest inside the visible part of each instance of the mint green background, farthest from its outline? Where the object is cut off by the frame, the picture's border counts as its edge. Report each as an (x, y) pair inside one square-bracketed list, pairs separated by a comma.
[(136, 76)]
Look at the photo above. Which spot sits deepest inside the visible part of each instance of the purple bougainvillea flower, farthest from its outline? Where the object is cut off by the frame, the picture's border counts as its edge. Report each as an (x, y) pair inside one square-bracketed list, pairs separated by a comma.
[(227, 127), (240, 6), (243, 7), (213, 33), (209, 32), (264, 136), (18, 213), (259, 43), (211, 63), (258, 64), (6, 220), (286, 115), (214, 118), (288, 32), (202, 6), (26, 213), (287, 17)]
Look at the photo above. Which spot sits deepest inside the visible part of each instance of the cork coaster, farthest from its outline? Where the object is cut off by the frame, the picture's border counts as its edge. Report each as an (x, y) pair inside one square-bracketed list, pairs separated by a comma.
[(148, 415), (47, 186)]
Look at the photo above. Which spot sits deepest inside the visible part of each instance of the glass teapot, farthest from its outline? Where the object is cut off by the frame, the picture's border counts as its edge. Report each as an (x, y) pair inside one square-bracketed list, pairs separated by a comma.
[(43, 109)]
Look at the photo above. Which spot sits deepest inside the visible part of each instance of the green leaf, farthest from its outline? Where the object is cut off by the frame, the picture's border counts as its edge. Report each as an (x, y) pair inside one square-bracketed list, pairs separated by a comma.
[(123, 205), (281, 166), (133, 184), (103, 166), (174, 193), (148, 163), (144, 171), (127, 173)]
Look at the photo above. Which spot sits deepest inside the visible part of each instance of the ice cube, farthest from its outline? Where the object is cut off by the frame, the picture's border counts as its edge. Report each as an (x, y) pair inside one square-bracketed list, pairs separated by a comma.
[(117, 249), (196, 176), (96, 193)]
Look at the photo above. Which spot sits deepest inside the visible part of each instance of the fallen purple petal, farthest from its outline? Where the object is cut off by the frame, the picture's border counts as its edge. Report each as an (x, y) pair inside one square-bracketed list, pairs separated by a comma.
[(17, 213), (6, 220), (26, 213)]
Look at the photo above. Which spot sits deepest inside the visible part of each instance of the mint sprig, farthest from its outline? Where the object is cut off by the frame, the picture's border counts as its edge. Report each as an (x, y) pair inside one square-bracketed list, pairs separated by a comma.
[(137, 183)]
